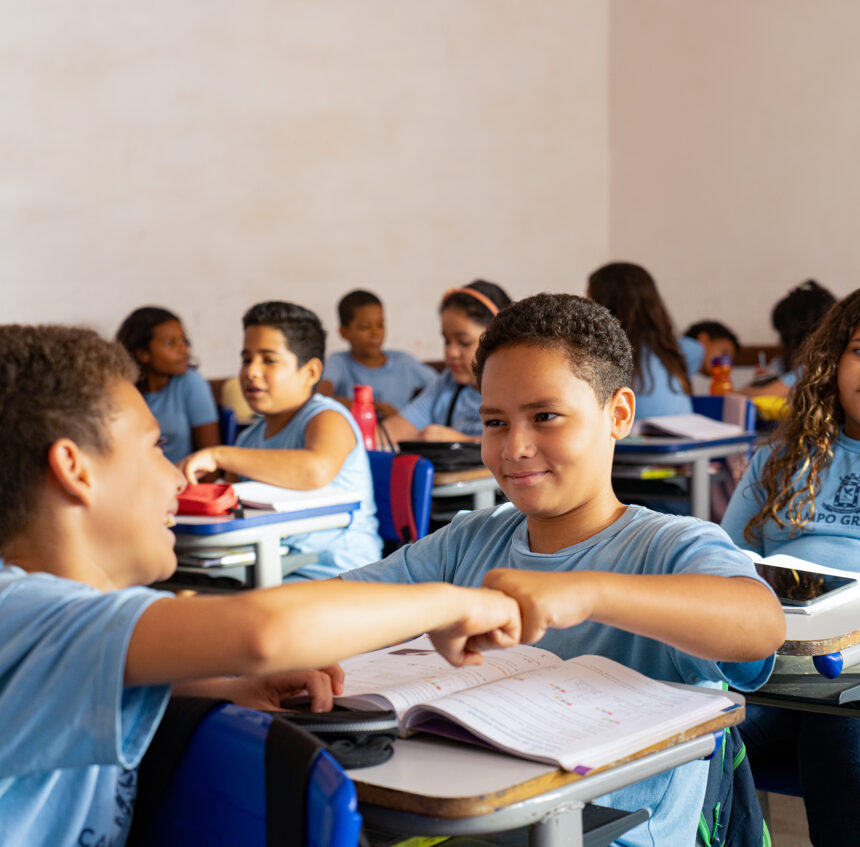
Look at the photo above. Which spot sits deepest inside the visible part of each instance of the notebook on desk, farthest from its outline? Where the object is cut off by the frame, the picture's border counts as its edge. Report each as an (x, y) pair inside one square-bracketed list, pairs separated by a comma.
[(696, 427), (259, 495)]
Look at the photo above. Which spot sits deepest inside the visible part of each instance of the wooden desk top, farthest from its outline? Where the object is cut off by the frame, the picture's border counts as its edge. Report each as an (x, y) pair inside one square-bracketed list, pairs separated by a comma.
[(826, 632), (436, 777), (449, 477)]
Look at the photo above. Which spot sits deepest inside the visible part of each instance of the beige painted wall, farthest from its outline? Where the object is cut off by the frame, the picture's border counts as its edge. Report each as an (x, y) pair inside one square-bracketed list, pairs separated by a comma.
[(205, 155), (735, 141)]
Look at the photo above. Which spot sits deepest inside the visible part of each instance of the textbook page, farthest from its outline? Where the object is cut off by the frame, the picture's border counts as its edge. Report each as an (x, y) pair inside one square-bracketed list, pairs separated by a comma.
[(405, 674), (580, 714), (259, 495), (694, 426)]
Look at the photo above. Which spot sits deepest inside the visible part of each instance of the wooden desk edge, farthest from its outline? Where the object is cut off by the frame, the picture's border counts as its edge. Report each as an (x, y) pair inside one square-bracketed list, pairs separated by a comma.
[(820, 646), (483, 804), (448, 477)]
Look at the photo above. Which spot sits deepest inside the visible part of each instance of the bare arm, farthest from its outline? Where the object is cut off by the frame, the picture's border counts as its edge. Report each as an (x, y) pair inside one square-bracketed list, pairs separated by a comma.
[(328, 441), (205, 435), (437, 432), (399, 429), (775, 388), (720, 618), (310, 626)]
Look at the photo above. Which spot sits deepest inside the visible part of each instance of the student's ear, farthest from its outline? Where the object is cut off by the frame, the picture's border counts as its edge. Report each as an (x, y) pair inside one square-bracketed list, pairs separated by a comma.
[(313, 369), (622, 409), (71, 470), (343, 333), (141, 355)]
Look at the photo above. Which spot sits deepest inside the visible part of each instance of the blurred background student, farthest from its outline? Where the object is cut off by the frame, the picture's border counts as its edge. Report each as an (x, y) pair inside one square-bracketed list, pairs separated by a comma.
[(178, 396)]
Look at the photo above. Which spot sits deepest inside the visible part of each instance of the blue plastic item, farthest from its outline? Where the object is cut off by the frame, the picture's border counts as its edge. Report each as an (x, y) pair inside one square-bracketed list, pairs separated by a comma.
[(422, 489), (228, 425)]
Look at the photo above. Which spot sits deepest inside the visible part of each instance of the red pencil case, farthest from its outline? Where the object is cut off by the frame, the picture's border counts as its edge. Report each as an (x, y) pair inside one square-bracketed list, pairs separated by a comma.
[(207, 498)]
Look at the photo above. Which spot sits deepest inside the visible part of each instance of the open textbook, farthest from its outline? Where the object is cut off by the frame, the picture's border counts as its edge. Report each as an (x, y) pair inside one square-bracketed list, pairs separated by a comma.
[(577, 714), (805, 588), (259, 495), (697, 427)]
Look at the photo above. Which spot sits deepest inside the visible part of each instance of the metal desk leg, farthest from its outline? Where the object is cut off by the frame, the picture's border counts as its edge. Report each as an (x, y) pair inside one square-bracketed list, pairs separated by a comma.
[(267, 571), (700, 489), (560, 828)]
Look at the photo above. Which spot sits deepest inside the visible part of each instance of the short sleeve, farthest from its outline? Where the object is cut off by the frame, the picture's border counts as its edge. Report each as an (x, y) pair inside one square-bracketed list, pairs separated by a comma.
[(420, 411), (335, 372), (693, 354), (423, 561), (63, 703), (746, 502), (789, 379), (199, 401)]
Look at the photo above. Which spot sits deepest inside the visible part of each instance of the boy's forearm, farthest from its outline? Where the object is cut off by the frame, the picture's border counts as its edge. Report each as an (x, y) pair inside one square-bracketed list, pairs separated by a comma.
[(285, 628), (720, 618), (300, 469)]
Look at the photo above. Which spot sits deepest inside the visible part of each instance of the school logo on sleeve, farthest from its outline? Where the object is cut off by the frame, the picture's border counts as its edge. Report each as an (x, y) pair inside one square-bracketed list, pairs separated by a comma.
[(847, 497)]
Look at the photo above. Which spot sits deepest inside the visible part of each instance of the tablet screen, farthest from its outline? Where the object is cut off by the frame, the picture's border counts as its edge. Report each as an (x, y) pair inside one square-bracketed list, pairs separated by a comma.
[(801, 588)]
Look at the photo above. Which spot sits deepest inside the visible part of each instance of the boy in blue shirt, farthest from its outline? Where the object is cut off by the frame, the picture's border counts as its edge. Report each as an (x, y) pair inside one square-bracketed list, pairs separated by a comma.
[(87, 655), (395, 377), (302, 440), (669, 596)]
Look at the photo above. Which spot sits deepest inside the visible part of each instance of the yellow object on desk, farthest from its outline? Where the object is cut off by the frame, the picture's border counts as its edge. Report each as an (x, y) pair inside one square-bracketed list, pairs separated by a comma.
[(771, 408)]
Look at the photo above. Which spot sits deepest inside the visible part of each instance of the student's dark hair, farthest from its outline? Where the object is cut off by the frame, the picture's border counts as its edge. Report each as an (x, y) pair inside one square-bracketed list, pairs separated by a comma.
[(629, 292), (803, 442), (137, 330), (300, 327), (797, 314), (714, 330), (353, 301), (590, 337), (474, 307), (54, 383)]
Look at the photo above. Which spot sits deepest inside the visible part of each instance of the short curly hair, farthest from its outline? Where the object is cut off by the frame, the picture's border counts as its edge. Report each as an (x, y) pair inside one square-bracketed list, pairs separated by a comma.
[(590, 336), (54, 383), (300, 327)]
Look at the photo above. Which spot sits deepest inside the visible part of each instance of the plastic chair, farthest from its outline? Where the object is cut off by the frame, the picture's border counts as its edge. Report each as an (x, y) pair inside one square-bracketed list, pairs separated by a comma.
[(403, 513), (218, 795), (228, 425), (712, 407)]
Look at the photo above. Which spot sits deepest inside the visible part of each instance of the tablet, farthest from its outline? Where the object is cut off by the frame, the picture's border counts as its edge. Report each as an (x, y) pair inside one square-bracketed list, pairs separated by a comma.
[(796, 587)]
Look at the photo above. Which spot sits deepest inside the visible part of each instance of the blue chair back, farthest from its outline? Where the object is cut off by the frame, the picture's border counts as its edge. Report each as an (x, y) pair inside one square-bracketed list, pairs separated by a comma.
[(381, 464), (218, 794), (228, 425), (711, 406)]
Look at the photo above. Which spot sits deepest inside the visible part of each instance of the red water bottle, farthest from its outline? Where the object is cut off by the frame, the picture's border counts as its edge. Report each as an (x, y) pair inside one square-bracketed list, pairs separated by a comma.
[(721, 375), (364, 413)]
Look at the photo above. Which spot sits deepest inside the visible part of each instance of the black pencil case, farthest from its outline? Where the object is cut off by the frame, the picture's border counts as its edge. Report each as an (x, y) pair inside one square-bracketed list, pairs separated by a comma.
[(355, 739)]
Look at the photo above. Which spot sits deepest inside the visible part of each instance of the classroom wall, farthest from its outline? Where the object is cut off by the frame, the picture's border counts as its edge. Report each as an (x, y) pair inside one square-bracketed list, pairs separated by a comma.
[(206, 155), (734, 141)]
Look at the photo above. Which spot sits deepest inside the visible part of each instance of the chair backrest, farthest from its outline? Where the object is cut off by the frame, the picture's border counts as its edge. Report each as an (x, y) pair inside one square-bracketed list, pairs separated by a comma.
[(218, 795), (228, 426), (401, 507), (712, 406)]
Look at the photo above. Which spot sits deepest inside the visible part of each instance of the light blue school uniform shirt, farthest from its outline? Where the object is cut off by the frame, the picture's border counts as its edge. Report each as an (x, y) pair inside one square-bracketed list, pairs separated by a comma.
[(658, 393), (396, 382), (185, 402), (639, 542), (338, 550), (73, 734), (832, 537), (431, 406)]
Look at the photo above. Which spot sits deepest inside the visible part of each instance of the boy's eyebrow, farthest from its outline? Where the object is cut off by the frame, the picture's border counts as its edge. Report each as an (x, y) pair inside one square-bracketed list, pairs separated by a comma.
[(246, 351), (543, 403)]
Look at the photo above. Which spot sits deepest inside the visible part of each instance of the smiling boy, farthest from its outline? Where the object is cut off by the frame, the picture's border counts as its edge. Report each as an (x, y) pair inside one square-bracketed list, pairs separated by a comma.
[(87, 654), (303, 440), (666, 595)]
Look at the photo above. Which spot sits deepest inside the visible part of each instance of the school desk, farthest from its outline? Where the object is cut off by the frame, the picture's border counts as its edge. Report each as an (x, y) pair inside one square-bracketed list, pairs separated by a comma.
[(479, 483), (653, 450), (262, 529), (432, 786)]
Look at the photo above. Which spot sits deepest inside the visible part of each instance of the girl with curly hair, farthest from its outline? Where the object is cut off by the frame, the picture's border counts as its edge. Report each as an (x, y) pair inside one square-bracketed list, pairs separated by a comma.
[(801, 497)]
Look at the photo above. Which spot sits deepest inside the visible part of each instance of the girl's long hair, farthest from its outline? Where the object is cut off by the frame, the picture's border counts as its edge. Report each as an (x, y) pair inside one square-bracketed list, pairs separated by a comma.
[(629, 292), (803, 442)]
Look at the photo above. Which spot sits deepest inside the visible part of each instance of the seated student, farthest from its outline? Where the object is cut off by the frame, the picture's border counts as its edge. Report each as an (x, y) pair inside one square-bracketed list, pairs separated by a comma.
[(716, 340), (302, 440), (178, 396), (394, 376), (800, 498), (87, 655), (447, 410), (669, 596), (662, 364), (794, 317)]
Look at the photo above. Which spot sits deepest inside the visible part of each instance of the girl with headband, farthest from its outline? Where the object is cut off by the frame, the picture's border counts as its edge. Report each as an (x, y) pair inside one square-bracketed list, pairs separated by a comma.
[(447, 410)]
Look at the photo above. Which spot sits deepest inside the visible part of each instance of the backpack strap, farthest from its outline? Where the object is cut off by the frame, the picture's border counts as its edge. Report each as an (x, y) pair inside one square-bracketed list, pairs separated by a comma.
[(400, 490), (454, 397)]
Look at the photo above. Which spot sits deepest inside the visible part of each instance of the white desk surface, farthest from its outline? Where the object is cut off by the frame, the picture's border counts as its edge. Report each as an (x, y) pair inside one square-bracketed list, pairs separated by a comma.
[(826, 632)]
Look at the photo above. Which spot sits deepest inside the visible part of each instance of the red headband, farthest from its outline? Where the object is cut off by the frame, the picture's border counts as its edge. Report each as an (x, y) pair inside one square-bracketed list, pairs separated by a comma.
[(481, 298)]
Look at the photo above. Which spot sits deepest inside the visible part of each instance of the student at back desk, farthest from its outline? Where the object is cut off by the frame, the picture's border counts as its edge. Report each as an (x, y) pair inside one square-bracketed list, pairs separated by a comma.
[(87, 654), (394, 376), (303, 440), (669, 596)]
